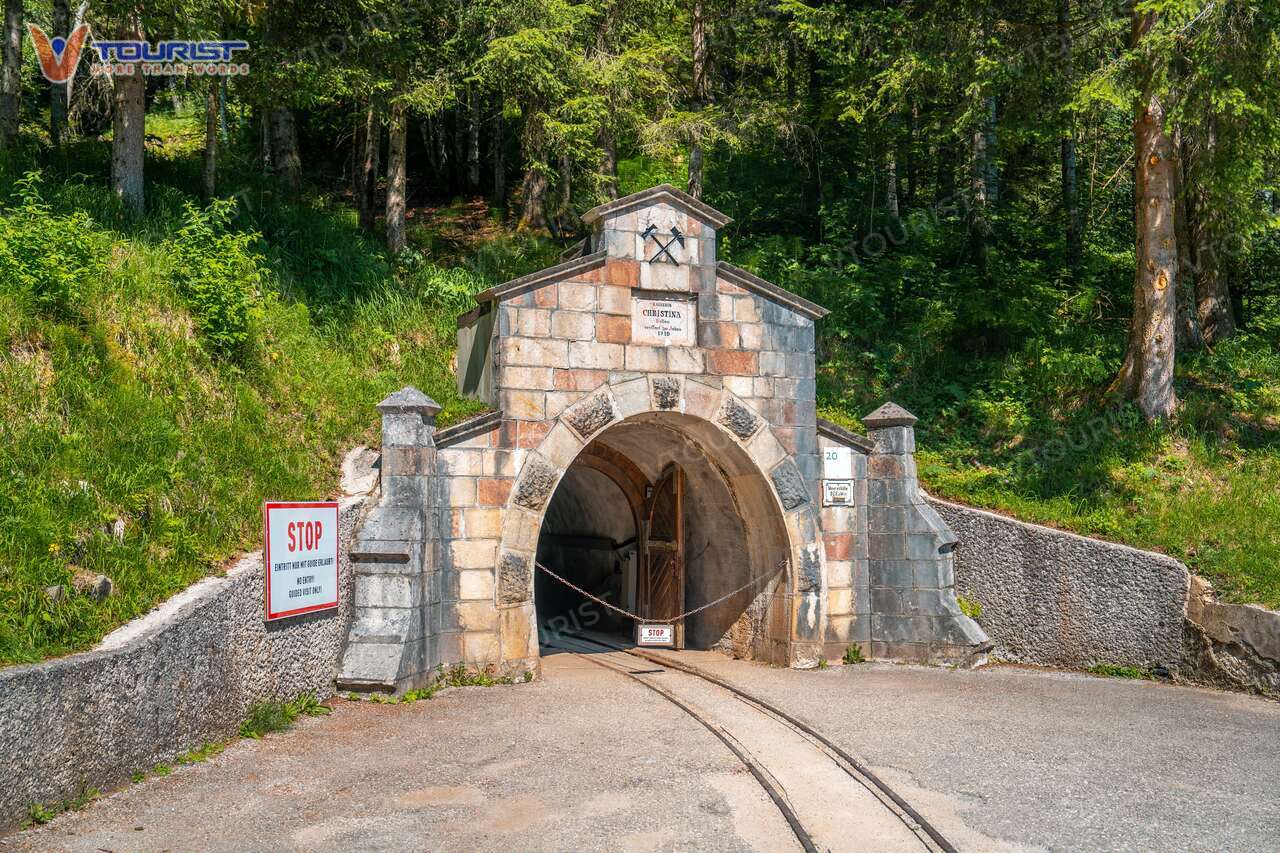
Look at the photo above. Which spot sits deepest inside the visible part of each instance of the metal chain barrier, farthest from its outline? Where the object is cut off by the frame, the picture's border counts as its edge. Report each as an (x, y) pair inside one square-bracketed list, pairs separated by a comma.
[(673, 619)]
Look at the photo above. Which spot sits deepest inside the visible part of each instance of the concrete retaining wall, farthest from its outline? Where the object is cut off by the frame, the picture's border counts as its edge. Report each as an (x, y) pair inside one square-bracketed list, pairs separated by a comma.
[(1057, 599), (183, 675)]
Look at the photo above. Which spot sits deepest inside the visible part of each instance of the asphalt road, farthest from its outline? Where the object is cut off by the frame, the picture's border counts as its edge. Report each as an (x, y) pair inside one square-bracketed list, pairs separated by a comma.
[(585, 759)]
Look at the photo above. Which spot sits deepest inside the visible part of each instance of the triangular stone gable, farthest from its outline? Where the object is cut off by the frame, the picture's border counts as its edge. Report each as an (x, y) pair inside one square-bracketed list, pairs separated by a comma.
[(659, 239)]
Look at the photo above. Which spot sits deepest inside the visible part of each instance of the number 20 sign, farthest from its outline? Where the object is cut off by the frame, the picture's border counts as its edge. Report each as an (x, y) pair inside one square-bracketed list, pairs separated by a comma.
[(301, 557)]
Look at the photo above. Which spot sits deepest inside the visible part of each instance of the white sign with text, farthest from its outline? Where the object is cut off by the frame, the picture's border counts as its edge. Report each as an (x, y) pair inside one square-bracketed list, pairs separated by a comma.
[(301, 555), (837, 492), (663, 320), (655, 635), (837, 463)]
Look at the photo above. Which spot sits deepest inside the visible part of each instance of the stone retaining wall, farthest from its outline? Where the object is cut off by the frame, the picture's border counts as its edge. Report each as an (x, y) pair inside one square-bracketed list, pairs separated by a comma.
[(1053, 598), (181, 676)]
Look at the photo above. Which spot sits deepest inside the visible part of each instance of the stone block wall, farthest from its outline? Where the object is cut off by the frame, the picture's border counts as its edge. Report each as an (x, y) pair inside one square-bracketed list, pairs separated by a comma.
[(911, 579), (844, 539), (182, 676)]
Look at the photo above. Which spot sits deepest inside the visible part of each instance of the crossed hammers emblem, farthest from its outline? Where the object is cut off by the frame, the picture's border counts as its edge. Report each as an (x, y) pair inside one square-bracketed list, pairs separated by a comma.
[(664, 249)]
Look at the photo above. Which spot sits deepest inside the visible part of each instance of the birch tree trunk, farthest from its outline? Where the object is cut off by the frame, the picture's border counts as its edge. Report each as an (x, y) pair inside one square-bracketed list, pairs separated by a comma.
[(701, 96), (211, 139), (1146, 376), (128, 132), (58, 92), (11, 74), (397, 140)]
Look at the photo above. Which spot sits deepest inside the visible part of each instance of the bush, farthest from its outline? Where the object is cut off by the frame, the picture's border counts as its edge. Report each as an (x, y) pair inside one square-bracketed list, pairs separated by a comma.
[(47, 261), (220, 275)]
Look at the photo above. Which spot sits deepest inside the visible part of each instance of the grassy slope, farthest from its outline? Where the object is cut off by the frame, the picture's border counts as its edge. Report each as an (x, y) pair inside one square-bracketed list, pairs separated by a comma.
[(113, 408)]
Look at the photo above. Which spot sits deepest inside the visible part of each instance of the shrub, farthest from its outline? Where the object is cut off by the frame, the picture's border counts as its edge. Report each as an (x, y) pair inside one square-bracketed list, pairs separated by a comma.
[(47, 260), (220, 275)]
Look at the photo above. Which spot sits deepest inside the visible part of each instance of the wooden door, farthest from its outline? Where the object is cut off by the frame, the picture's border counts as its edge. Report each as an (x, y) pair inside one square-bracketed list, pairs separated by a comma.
[(662, 574)]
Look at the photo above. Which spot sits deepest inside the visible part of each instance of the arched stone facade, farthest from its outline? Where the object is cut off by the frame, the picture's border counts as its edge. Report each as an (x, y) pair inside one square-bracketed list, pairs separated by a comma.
[(736, 438), (641, 340)]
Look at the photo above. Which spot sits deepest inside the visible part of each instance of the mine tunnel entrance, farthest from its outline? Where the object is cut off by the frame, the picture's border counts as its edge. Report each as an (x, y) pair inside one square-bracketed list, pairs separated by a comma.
[(652, 520)]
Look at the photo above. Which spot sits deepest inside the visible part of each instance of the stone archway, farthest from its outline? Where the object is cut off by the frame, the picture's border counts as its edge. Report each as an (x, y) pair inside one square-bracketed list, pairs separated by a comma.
[(768, 488)]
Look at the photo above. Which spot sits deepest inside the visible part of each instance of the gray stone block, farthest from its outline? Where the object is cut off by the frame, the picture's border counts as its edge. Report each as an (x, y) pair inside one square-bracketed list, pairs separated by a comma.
[(536, 483), (740, 420), (666, 392), (895, 573), (886, 546), (791, 487), (591, 415), (515, 578)]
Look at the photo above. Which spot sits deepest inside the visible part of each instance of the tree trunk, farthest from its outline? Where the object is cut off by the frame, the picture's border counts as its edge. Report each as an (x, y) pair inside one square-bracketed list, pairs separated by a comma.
[(459, 148), (397, 140), (59, 92), (1070, 195), (992, 179), (980, 192), (371, 136), (473, 139), (701, 97), (533, 215), (1147, 373), (1212, 294), (284, 148), (11, 74), (1187, 325), (563, 214), (946, 173), (499, 158), (128, 133), (358, 174), (891, 185), (913, 158), (608, 162), (533, 193), (211, 139)]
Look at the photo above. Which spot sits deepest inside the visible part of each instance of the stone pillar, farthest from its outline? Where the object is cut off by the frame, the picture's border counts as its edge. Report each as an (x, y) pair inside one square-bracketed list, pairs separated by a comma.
[(390, 646), (912, 581)]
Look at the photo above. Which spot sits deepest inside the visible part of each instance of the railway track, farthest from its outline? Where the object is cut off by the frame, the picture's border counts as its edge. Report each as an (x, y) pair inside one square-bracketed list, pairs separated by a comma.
[(829, 799)]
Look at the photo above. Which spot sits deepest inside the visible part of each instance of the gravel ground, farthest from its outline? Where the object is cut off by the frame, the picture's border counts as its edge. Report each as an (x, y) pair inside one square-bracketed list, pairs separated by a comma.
[(587, 760)]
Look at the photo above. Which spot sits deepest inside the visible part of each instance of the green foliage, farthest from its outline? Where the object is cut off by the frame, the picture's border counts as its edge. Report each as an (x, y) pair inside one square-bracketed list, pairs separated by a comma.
[(38, 813), (853, 654), (220, 276), (267, 717), (823, 664), (201, 753), (969, 607), (1112, 670), (48, 263)]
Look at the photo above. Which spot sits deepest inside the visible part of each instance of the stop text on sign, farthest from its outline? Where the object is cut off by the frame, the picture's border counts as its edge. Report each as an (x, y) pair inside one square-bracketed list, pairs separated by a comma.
[(300, 554)]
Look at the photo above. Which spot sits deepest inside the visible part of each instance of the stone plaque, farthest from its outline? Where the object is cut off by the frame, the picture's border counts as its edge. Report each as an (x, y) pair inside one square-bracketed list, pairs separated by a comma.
[(663, 320), (837, 492)]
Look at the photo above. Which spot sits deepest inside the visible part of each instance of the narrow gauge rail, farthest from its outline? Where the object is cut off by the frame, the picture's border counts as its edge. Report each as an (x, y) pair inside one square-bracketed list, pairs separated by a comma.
[(930, 837)]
